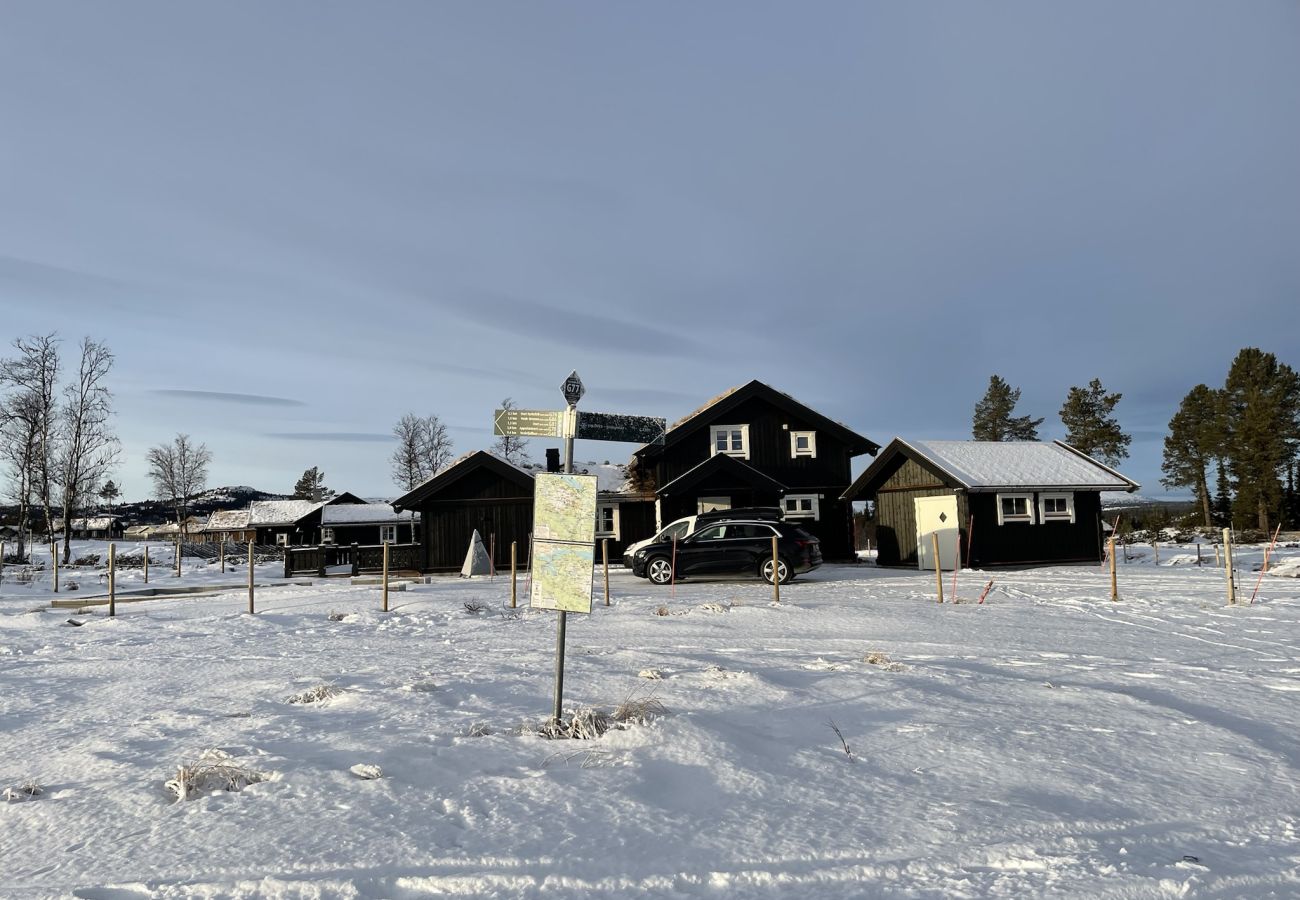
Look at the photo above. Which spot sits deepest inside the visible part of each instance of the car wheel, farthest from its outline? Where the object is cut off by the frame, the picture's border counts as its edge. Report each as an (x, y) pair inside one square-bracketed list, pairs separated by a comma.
[(659, 570), (783, 570)]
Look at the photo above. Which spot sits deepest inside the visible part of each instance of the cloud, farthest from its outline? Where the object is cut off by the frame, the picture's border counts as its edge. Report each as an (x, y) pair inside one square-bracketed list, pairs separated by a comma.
[(497, 374), (224, 397), (362, 437)]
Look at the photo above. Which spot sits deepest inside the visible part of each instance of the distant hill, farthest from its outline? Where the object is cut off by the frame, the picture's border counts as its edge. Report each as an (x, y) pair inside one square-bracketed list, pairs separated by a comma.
[(156, 512)]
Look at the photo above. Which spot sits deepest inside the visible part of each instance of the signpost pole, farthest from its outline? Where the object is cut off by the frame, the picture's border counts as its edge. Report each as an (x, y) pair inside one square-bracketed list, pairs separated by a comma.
[(112, 580), (514, 573), (604, 560), (573, 391)]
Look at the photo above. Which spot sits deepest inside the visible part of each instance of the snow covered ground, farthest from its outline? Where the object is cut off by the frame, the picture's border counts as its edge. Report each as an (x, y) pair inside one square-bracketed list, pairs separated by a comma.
[(1049, 743)]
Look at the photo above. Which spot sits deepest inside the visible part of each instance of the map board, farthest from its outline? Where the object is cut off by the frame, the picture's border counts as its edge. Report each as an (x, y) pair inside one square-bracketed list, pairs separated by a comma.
[(564, 534)]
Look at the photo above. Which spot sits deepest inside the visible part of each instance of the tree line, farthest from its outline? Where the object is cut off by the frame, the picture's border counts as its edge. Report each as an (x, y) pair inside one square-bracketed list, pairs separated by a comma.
[(1087, 414)]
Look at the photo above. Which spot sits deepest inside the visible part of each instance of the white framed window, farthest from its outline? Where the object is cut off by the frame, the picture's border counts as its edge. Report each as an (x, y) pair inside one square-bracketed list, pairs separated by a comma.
[(282, 539), (803, 443), (800, 506), (1056, 508), (1015, 508), (733, 440), (388, 534), (607, 520), (327, 535), (709, 504)]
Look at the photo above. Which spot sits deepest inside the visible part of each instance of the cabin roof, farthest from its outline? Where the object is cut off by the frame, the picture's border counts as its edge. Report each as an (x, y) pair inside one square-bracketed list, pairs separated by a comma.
[(264, 513), (722, 464), (458, 469), (362, 514)]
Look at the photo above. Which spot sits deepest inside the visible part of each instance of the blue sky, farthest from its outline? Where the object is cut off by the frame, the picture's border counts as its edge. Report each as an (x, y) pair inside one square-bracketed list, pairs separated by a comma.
[(294, 222)]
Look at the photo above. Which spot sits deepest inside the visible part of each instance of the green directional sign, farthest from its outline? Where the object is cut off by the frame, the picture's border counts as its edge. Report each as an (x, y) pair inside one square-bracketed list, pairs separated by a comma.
[(594, 426), (529, 422)]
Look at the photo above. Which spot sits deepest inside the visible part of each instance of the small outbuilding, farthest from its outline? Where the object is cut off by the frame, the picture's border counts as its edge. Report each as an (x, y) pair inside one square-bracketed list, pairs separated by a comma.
[(990, 503)]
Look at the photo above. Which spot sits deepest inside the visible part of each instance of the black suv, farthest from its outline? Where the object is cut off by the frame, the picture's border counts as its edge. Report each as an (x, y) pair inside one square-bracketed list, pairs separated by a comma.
[(730, 547)]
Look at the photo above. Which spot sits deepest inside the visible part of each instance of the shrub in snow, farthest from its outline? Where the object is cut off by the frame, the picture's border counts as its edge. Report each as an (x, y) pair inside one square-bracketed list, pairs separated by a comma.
[(367, 772), (848, 751), (473, 607), (650, 674), (28, 790), (317, 694), (661, 611), (639, 710), (479, 729), (881, 658), (590, 723), (337, 616), (91, 559), (212, 772)]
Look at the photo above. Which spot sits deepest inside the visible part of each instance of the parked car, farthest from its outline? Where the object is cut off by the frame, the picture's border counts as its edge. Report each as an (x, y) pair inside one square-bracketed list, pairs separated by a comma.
[(731, 547), (680, 528)]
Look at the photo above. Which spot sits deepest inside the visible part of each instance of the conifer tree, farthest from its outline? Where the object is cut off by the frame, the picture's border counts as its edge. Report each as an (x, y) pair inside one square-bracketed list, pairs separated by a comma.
[(1195, 438), (311, 486), (993, 419), (1262, 431), (1222, 497), (1089, 426)]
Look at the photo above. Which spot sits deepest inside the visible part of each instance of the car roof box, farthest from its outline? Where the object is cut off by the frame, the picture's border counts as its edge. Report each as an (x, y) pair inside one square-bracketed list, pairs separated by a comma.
[(772, 513)]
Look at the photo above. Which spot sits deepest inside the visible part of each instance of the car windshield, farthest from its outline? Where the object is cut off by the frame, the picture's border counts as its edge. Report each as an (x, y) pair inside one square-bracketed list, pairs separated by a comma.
[(675, 530)]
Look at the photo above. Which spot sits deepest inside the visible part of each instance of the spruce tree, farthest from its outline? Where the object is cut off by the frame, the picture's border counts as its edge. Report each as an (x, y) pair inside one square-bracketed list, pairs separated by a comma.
[(993, 419), (1262, 431), (1222, 497), (1195, 438), (311, 486), (1089, 426)]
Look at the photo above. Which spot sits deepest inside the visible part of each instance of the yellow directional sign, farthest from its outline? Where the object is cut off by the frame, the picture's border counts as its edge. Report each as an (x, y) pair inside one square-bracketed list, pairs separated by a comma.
[(529, 422)]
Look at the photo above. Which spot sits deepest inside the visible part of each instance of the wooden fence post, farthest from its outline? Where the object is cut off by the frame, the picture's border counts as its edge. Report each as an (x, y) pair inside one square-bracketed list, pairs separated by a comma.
[(223, 556), (1155, 547), (146, 562), (251, 610), (776, 572), (112, 580), (1114, 581), (1217, 561), (938, 569), (356, 559), (54, 560), (178, 557), (1227, 566), (492, 555), (514, 573), (604, 557), (2, 562), (385, 576)]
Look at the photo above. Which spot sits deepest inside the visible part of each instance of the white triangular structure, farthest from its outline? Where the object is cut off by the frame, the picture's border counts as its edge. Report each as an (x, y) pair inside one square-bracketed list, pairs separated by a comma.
[(476, 560)]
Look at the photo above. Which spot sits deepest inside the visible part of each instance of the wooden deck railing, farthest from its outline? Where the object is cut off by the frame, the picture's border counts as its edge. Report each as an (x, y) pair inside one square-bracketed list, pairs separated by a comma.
[(368, 558)]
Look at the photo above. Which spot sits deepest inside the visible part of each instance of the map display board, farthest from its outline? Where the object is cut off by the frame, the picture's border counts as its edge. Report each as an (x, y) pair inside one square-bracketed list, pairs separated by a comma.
[(564, 534)]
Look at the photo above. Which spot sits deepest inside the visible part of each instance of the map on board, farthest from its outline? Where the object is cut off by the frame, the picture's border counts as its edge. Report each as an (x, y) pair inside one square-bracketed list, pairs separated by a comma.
[(564, 535), (564, 508), (562, 576)]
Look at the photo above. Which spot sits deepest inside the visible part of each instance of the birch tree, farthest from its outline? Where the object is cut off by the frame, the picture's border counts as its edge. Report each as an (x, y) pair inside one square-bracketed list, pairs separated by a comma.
[(86, 447), (27, 425), (179, 470)]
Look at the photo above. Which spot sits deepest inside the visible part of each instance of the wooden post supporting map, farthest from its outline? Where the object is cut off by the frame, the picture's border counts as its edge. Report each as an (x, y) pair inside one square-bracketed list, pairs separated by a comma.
[(938, 569), (776, 573), (112, 580), (54, 560), (1227, 566), (1114, 581), (604, 558), (385, 576), (251, 609), (514, 574)]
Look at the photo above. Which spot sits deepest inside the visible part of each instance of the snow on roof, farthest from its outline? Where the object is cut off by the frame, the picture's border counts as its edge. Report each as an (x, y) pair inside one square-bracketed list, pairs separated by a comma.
[(362, 514), (228, 520), (1019, 464), (610, 478), (279, 512)]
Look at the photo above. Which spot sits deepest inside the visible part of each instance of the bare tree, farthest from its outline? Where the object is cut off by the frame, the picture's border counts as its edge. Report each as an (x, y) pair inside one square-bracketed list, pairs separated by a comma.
[(27, 424), (424, 448), (179, 470), (510, 447), (86, 446)]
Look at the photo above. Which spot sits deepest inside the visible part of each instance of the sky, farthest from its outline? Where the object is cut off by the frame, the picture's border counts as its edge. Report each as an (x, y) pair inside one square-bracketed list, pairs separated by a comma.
[(295, 222)]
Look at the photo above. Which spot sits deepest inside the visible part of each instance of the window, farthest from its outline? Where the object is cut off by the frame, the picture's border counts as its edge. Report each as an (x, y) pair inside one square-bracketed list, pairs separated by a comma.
[(607, 520), (733, 440), (752, 532), (388, 534), (803, 443), (712, 533), (1056, 507), (676, 530), (1015, 508), (327, 535), (282, 539), (800, 506), (709, 504)]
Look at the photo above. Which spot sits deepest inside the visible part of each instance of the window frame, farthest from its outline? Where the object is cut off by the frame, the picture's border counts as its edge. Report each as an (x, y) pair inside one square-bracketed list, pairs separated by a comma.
[(715, 430), (327, 535), (387, 529), (614, 530), (795, 452), (1017, 519), (282, 539), (711, 504), (1068, 516), (812, 514)]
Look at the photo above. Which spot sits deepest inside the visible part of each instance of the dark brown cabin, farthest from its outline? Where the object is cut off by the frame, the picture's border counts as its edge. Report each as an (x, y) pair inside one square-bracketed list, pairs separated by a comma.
[(1016, 502), (756, 446)]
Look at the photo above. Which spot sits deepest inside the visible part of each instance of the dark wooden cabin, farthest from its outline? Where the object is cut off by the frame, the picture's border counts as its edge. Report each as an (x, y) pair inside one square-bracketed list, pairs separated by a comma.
[(291, 523), (756, 446), (367, 524), (1016, 502), (479, 491)]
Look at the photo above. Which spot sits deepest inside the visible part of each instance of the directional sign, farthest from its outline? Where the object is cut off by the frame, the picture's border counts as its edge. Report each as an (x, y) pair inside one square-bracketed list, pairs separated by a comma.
[(529, 422), (594, 426), (573, 389)]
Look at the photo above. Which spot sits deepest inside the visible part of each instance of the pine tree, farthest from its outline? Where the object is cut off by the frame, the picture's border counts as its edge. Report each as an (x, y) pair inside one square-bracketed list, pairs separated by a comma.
[(1222, 497), (1089, 426), (1262, 431), (311, 486), (1195, 438), (993, 419), (109, 493)]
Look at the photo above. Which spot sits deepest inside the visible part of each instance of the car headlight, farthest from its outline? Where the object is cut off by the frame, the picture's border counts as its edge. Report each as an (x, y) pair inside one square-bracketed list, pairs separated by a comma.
[(640, 554)]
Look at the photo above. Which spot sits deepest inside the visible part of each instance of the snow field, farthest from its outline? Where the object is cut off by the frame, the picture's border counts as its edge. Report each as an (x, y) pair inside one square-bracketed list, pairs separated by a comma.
[(1049, 743)]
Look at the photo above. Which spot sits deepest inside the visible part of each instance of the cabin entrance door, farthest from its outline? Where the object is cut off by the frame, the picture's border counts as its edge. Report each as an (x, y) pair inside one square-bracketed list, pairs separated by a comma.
[(937, 515)]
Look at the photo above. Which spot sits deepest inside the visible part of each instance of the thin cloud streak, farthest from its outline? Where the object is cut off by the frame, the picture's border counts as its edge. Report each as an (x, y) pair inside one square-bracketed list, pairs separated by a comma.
[(362, 437), (225, 397)]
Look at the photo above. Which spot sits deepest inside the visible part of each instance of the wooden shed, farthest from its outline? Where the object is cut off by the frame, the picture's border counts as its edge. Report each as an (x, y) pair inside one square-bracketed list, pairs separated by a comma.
[(479, 491), (991, 503)]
